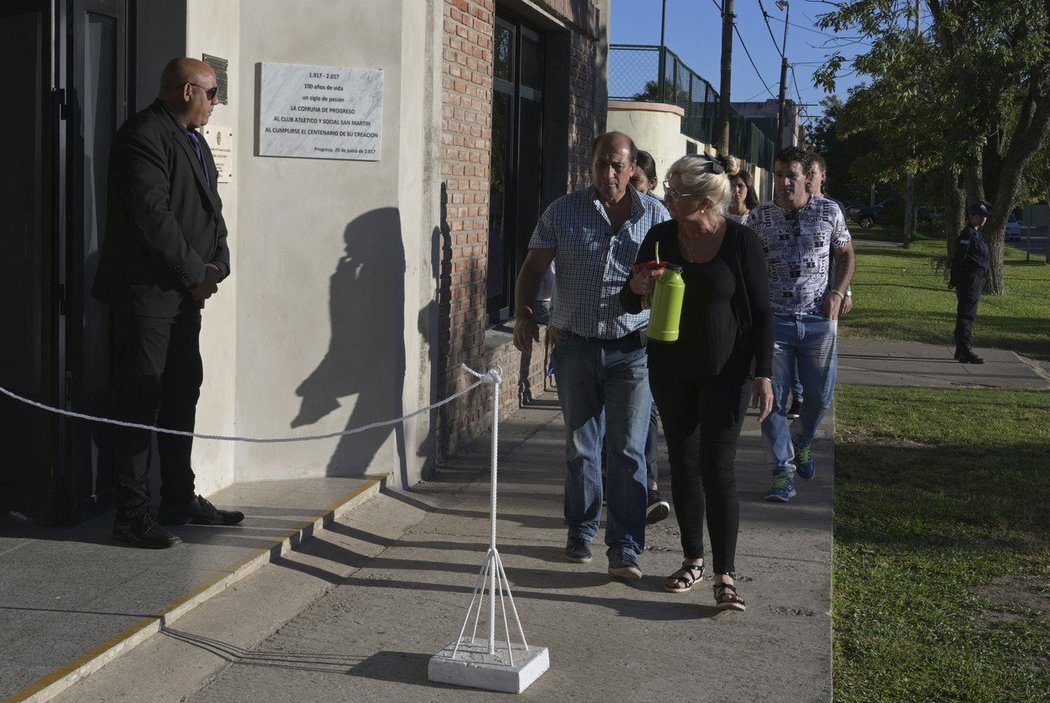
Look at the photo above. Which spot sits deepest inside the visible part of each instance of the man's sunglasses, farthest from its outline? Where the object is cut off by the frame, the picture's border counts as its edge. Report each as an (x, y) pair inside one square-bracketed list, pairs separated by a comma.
[(210, 93)]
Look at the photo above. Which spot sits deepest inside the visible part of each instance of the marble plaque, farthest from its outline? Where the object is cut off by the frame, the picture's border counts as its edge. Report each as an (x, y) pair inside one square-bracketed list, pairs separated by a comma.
[(320, 112), (220, 140)]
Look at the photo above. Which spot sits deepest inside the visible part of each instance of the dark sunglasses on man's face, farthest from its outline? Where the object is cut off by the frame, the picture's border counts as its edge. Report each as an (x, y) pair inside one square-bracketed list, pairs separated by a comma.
[(210, 93)]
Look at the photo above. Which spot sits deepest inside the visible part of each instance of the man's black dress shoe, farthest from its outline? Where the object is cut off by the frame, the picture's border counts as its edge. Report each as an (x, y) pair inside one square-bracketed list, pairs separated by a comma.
[(199, 512), (143, 531)]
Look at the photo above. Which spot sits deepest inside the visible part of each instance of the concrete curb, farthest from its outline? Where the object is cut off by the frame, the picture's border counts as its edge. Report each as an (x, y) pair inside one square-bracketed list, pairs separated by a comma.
[(49, 686)]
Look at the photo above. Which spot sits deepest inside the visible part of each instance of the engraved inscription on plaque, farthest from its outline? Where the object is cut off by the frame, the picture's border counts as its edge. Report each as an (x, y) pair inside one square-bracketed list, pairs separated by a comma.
[(320, 112), (220, 141), (221, 67)]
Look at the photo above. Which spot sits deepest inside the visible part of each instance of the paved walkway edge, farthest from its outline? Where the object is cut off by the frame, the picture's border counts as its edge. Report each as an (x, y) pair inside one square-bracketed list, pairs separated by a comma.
[(47, 687)]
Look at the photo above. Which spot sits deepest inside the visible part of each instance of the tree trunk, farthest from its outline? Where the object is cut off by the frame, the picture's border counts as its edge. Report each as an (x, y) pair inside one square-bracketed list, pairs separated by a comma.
[(954, 209), (973, 180), (1033, 125)]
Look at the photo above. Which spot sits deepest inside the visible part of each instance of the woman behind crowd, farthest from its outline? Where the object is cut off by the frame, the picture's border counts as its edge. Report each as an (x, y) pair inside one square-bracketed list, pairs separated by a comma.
[(644, 178), (701, 382), (742, 198)]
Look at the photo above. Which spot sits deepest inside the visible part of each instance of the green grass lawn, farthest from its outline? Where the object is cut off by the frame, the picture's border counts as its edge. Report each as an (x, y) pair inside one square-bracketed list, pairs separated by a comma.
[(942, 545), (898, 295), (942, 500)]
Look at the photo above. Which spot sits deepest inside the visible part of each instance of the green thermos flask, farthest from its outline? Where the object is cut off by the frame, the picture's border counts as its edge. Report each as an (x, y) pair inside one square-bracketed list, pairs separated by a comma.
[(666, 312)]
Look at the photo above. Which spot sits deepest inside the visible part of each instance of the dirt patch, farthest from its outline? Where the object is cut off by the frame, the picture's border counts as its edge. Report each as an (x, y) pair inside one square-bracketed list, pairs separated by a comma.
[(846, 437), (1015, 597)]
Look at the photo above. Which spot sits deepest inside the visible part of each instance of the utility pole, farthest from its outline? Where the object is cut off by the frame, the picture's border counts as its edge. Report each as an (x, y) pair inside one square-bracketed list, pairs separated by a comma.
[(781, 107), (728, 17), (662, 62), (909, 199)]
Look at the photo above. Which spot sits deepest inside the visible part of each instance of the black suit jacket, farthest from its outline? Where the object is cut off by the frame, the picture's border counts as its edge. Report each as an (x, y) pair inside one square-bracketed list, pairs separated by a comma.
[(164, 220)]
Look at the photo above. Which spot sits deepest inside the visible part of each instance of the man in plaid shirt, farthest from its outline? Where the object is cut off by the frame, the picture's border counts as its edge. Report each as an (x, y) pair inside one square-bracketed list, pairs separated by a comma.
[(593, 236)]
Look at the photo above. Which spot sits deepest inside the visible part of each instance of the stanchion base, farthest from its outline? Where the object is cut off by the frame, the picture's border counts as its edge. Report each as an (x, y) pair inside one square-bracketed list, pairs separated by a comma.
[(474, 667)]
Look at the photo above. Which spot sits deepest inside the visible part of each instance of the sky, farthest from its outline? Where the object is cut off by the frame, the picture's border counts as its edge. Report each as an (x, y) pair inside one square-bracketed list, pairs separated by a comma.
[(693, 31)]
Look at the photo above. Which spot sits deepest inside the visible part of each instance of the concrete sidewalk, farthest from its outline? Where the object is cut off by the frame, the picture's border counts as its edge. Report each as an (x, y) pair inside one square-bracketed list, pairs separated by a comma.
[(374, 587), (397, 573), (871, 362)]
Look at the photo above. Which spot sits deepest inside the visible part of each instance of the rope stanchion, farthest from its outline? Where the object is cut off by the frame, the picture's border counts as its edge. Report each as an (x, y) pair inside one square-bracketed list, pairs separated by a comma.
[(483, 379), (479, 664)]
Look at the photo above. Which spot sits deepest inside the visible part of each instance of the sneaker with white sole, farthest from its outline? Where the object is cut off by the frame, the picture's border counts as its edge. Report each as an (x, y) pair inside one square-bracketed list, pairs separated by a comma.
[(624, 566), (804, 466), (783, 488), (658, 508), (577, 550)]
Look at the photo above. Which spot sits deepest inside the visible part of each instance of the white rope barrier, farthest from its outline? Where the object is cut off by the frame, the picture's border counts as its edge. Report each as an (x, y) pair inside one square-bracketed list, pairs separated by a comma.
[(489, 378)]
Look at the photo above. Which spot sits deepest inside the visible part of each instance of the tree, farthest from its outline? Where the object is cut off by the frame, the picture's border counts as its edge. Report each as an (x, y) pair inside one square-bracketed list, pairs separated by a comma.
[(968, 97), (851, 168), (672, 95)]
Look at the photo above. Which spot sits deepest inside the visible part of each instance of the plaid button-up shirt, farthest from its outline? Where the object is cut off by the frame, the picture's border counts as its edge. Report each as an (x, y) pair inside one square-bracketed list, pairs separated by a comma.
[(592, 263)]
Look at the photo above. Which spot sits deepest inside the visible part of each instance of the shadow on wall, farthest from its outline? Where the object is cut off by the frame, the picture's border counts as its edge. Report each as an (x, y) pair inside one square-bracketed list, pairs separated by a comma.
[(366, 355), (428, 324)]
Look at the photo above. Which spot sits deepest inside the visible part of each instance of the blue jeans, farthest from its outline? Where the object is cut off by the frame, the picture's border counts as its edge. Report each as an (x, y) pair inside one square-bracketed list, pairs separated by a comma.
[(808, 343), (610, 379)]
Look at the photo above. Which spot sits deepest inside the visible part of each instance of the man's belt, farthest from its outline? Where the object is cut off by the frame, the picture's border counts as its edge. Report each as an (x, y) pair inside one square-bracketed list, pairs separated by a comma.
[(630, 336)]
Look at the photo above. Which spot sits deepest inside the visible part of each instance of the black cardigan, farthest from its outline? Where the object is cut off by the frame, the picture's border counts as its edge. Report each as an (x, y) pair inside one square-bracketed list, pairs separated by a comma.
[(742, 252)]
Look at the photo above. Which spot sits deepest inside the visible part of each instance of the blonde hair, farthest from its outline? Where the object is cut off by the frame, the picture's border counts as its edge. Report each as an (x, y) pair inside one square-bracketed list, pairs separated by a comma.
[(698, 178), (731, 163)]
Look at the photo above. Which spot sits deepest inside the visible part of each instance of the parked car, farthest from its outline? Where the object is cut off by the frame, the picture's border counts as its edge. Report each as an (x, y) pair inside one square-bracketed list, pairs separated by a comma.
[(1013, 229), (867, 215), (891, 211), (927, 216)]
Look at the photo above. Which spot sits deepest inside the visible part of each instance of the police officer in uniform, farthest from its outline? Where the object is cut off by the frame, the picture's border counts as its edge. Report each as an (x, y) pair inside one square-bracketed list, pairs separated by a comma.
[(969, 269)]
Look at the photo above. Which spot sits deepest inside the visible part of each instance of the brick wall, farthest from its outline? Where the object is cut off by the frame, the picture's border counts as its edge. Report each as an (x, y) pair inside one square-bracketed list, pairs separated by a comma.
[(466, 98), (583, 112), (467, 46)]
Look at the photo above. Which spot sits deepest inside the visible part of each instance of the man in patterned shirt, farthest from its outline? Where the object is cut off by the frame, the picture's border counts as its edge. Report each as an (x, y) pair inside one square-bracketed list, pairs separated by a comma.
[(801, 234), (593, 236)]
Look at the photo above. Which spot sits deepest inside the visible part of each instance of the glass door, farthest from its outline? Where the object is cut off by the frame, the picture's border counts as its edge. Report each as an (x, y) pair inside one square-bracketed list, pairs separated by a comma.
[(29, 217), (98, 102), (71, 77), (515, 167)]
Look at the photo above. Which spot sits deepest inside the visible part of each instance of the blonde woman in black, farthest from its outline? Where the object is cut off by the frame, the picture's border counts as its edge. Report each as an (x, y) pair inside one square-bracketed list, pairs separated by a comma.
[(722, 358)]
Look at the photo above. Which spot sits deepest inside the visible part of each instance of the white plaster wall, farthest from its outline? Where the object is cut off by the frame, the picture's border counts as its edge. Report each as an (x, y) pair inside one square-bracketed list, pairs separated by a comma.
[(660, 133), (211, 27), (657, 131), (332, 262), (420, 183)]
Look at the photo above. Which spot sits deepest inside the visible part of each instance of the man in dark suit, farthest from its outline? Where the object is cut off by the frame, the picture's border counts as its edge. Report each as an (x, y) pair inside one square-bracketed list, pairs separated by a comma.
[(163, 255)]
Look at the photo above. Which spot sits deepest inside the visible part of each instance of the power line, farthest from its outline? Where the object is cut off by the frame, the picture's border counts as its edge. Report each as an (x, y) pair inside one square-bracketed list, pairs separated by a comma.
[(817, 31), (743, 45), (765, 16), (794, 79), (759, 93), (804, 115)]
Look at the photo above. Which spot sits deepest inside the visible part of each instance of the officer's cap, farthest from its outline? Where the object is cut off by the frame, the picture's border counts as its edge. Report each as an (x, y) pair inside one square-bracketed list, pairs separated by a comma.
[(980, 209)]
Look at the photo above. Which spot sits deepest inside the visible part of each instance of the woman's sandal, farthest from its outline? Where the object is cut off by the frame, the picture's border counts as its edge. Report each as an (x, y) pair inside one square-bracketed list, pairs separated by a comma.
[(684, 579), (726, 597)]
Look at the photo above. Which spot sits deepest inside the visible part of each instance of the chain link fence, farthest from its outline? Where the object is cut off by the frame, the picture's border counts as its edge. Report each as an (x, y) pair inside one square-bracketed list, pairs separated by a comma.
[(648, 74)]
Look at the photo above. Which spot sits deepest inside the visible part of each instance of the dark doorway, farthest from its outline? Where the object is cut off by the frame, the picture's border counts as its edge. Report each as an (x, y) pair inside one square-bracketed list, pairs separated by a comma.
[(71, 68), (516, 168)]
